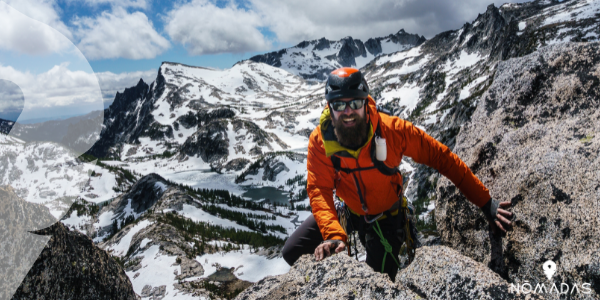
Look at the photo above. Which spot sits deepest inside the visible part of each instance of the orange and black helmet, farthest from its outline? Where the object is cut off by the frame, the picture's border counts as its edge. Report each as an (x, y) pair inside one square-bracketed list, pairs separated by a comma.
[(346, 83)]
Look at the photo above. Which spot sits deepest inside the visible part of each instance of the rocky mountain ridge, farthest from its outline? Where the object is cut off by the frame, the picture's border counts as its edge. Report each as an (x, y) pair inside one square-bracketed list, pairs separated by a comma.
[(72, 267), (317, 58)]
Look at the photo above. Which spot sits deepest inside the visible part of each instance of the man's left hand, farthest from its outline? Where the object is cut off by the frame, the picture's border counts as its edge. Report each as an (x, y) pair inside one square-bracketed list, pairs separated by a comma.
[(499, 218)]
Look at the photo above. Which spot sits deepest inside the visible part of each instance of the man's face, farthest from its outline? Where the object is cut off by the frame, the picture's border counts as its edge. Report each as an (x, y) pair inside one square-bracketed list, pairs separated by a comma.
[(350, 125)]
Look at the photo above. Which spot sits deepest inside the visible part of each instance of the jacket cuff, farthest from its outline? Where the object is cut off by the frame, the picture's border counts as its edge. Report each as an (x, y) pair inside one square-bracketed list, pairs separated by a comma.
[(337, 238), (490, 209)]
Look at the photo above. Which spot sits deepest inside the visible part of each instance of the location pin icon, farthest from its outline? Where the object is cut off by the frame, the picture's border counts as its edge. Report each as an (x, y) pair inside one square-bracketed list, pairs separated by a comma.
[(549, 269)]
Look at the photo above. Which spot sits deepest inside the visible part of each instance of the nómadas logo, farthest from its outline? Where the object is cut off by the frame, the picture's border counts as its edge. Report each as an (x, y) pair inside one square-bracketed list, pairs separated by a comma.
[(549, 268)]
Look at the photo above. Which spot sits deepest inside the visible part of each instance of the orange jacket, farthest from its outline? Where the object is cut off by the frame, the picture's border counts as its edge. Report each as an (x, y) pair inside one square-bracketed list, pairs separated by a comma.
[(379, 191)]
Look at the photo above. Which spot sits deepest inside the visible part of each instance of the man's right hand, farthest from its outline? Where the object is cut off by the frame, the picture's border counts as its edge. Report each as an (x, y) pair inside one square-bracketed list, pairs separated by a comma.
[(326, 248)]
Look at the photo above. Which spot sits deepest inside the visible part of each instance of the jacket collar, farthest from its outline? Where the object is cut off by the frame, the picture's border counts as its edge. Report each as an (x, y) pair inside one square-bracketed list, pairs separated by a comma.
[(332, 146)]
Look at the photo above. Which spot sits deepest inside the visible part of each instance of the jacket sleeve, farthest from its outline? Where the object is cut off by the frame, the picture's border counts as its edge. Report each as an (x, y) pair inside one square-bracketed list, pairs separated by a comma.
[(424, 149), (320, 185)]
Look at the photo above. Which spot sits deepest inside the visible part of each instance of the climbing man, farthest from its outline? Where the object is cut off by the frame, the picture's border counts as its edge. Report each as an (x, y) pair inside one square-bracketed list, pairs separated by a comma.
[(355, 151)]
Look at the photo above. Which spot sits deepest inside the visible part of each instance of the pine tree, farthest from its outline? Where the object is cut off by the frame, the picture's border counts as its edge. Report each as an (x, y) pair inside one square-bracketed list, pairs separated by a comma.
[(115, 227)]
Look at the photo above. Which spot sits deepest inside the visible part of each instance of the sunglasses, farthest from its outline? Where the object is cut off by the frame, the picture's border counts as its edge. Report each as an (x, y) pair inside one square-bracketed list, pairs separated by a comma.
[(341, 105)]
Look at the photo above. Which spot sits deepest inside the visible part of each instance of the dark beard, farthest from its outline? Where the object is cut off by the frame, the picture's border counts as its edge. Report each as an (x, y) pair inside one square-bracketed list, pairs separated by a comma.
[(351, 137)]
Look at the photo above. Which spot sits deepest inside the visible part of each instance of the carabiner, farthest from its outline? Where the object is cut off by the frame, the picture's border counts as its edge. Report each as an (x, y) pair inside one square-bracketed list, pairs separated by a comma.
[(374, 219)]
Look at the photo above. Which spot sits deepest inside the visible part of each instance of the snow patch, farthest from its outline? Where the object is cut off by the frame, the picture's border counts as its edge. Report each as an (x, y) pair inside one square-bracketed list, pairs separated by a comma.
[(77, 222), (157, 269), (160, 186), (252, 267), (120, 249), (105, 219), (145, 242)]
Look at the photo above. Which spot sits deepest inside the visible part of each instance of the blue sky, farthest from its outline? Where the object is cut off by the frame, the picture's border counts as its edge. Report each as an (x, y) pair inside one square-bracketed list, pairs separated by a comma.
[(156, 12), (85, 49)]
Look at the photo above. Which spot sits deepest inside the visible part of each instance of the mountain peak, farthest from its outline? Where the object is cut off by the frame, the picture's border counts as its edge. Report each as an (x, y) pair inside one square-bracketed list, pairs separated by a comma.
[(316, 58)]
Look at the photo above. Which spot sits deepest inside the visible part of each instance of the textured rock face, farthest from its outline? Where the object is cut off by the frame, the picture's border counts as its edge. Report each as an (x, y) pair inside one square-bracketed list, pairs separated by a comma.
[(72, 267), (337, 277), (271, 172), (142, 195), (190, 268), (18, 248), (533, 140), (236, 164), (126, 118), (271, 164), (210, 142), (439, 272)]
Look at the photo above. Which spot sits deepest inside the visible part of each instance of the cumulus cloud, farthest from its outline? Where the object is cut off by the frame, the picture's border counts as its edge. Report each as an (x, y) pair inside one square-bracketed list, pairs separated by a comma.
[(32, 27), (111, 83), (204, 28), (294, 21), (58, 89), (119, 34), (142, 4)]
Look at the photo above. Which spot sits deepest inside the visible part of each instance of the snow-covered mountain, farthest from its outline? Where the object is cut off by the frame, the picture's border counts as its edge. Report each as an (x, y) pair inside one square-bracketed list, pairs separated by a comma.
[(216, 115), (172, 238), (248, 125), (438, 84), (317, 58), (43, 173), (77, 133)]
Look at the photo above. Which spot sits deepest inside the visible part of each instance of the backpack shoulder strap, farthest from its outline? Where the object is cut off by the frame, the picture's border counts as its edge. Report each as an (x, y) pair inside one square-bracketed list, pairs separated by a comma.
[(336, 163)]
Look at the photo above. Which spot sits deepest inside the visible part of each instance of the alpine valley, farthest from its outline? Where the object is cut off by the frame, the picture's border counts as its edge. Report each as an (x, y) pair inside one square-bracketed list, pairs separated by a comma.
[(197, 178)]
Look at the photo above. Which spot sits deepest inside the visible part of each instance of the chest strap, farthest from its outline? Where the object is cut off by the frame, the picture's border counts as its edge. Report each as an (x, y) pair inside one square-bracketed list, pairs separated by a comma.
[(377, 164)]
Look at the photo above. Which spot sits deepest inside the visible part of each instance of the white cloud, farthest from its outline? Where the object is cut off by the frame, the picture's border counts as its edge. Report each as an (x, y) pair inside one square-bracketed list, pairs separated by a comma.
[(119, 34), (111, 83), (58, 89), (142, 4), (204, 28), (293, 21), (32, 27)]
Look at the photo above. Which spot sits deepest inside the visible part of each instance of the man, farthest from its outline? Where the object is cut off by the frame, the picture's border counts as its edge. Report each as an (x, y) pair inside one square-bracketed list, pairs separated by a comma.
[(355, 151)]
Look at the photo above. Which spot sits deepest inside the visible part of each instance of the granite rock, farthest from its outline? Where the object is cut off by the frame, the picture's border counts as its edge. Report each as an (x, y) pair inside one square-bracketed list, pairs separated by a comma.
[(336, 277), (533, 141)]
